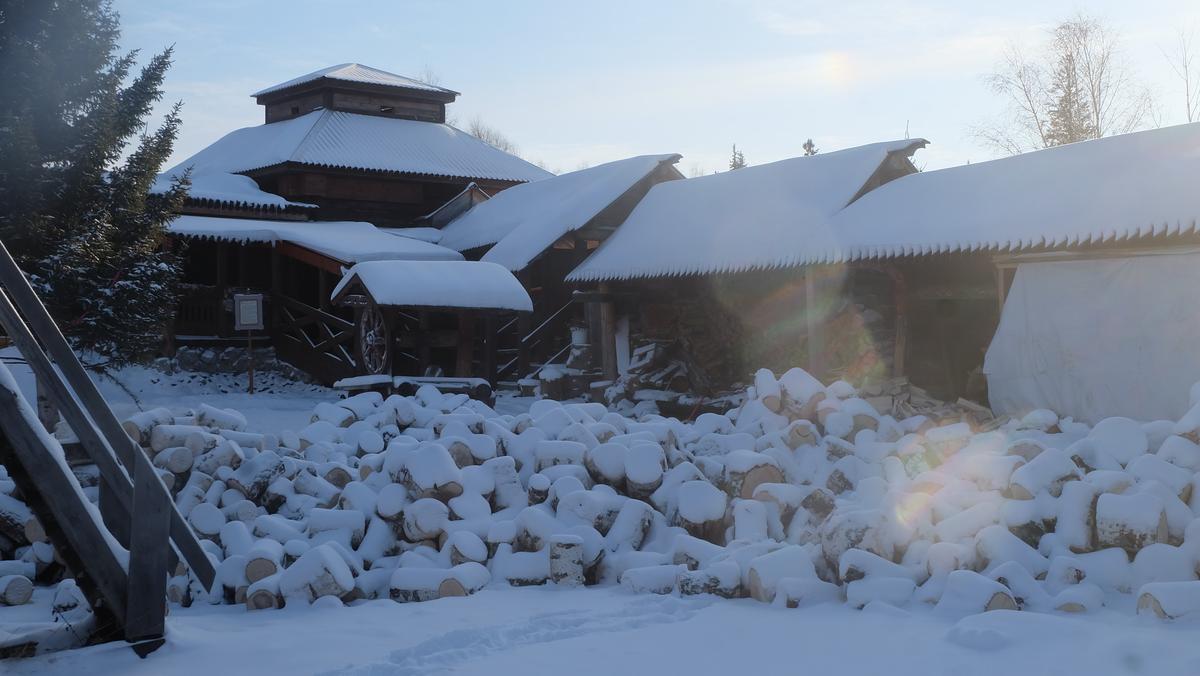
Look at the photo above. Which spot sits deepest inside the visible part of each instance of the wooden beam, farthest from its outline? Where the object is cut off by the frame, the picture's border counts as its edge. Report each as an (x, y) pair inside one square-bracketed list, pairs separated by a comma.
[(900, 301), (423, 353), (147, 588), (490, 345), (323, 291), (465, 356), (608, 336), (222, 272)]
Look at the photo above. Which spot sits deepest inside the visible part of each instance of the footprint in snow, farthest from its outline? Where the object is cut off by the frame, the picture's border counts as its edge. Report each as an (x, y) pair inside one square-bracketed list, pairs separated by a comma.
[(445, 652)]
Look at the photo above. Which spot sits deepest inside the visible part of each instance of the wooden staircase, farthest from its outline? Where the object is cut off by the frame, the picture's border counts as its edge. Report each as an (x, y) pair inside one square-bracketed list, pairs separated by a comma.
[(122, 560)]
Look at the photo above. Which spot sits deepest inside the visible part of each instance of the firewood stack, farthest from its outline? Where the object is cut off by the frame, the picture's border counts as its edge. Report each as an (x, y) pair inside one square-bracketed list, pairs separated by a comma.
[(804, 494)]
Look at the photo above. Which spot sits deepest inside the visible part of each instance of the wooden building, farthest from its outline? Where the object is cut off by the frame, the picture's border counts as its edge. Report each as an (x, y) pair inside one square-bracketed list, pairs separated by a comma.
[(855, 265), (540, 231), (349, 161)]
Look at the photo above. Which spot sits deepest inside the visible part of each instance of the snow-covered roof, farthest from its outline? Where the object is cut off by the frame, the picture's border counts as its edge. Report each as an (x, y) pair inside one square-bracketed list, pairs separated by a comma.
[(356, 72), (1133, 185), (462, 284), (425, 234), (525, 219), (227, 189), (345, 241), (332, 138), (763, 216)]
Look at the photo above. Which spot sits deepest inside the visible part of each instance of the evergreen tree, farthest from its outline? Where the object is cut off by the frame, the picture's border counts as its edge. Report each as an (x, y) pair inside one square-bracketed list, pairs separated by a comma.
[(79, 221), (1069, 117), (810, 148), (737, 160)]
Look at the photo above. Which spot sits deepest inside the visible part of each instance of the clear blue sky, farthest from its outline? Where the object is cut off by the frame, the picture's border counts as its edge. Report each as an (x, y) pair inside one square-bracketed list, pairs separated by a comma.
[(576, 83)]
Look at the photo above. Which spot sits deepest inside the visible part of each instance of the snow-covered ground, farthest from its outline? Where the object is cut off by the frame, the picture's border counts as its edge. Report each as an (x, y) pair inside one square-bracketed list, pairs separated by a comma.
[(277, 404), (607, 631)]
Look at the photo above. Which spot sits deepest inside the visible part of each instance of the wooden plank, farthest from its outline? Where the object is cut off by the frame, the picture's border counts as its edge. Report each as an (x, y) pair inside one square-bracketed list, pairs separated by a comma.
[(147, 587), (116, 516), (127, 451), (52, 493)]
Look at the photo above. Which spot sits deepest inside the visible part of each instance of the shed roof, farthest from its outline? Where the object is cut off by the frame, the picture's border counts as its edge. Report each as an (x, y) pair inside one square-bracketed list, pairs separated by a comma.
[(1120, 187), (457, 284), (525, 219), (347, 242), (331, 138), (763, 216), (356, 72), (227, 189)]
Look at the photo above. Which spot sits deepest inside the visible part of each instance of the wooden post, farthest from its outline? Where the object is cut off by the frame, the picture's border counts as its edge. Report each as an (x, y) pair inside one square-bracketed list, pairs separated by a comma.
[(813, 321), (465, 358), (147, 588), (250, 359), (423, 352), (608, 335), (523, 361), (323, 290), (276, 289), (223, 323), (490, 347), (900, 300)]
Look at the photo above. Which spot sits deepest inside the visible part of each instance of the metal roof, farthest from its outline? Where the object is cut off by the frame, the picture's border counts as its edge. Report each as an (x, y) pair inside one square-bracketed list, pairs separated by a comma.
[(339, 139), (356, 72)]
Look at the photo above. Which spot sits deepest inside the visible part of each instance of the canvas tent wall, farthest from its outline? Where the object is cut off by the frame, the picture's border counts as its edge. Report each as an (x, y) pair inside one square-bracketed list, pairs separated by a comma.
[(1098, 338)]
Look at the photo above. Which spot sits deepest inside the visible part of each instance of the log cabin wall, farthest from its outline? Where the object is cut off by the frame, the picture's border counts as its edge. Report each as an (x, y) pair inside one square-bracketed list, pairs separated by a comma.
[(940, 312), (385, 199), (361, 98)]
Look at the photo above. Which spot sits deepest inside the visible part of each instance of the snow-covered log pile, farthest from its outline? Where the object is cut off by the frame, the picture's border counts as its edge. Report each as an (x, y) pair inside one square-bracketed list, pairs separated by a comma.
[(803, 495)]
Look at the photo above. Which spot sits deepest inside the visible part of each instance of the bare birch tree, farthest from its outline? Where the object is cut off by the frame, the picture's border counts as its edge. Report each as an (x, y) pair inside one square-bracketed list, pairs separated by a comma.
[(1080, 72), (490, 135), (1183, 62)]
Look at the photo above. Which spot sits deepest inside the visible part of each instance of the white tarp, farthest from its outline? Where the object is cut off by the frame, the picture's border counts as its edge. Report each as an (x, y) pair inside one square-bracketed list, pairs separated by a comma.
[(1099, 338)]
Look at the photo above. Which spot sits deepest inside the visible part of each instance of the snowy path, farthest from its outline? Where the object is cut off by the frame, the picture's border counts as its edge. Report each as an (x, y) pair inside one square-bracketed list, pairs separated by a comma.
[(610, 632)]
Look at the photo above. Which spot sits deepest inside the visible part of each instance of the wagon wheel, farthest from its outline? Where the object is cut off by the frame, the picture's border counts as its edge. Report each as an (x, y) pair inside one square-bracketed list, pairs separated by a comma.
[(373, 343)]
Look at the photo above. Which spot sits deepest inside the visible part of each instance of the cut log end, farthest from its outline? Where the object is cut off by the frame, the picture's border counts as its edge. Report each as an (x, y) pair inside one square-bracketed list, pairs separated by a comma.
[(1147, 603), (258, 569), (1001, 601), (15, 590)]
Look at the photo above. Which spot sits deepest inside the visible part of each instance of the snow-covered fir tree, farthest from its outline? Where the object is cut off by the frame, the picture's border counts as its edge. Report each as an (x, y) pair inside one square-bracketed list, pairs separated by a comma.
[(736, 159), (77, 218), (810, 148), (1069, 115)]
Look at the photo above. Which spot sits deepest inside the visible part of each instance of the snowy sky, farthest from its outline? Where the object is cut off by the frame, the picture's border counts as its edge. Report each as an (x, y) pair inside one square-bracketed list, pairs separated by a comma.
[(583, 83)]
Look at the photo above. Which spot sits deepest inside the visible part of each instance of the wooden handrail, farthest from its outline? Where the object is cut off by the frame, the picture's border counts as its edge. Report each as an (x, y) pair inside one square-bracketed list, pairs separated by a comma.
[(549, 319), (110, 439)]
